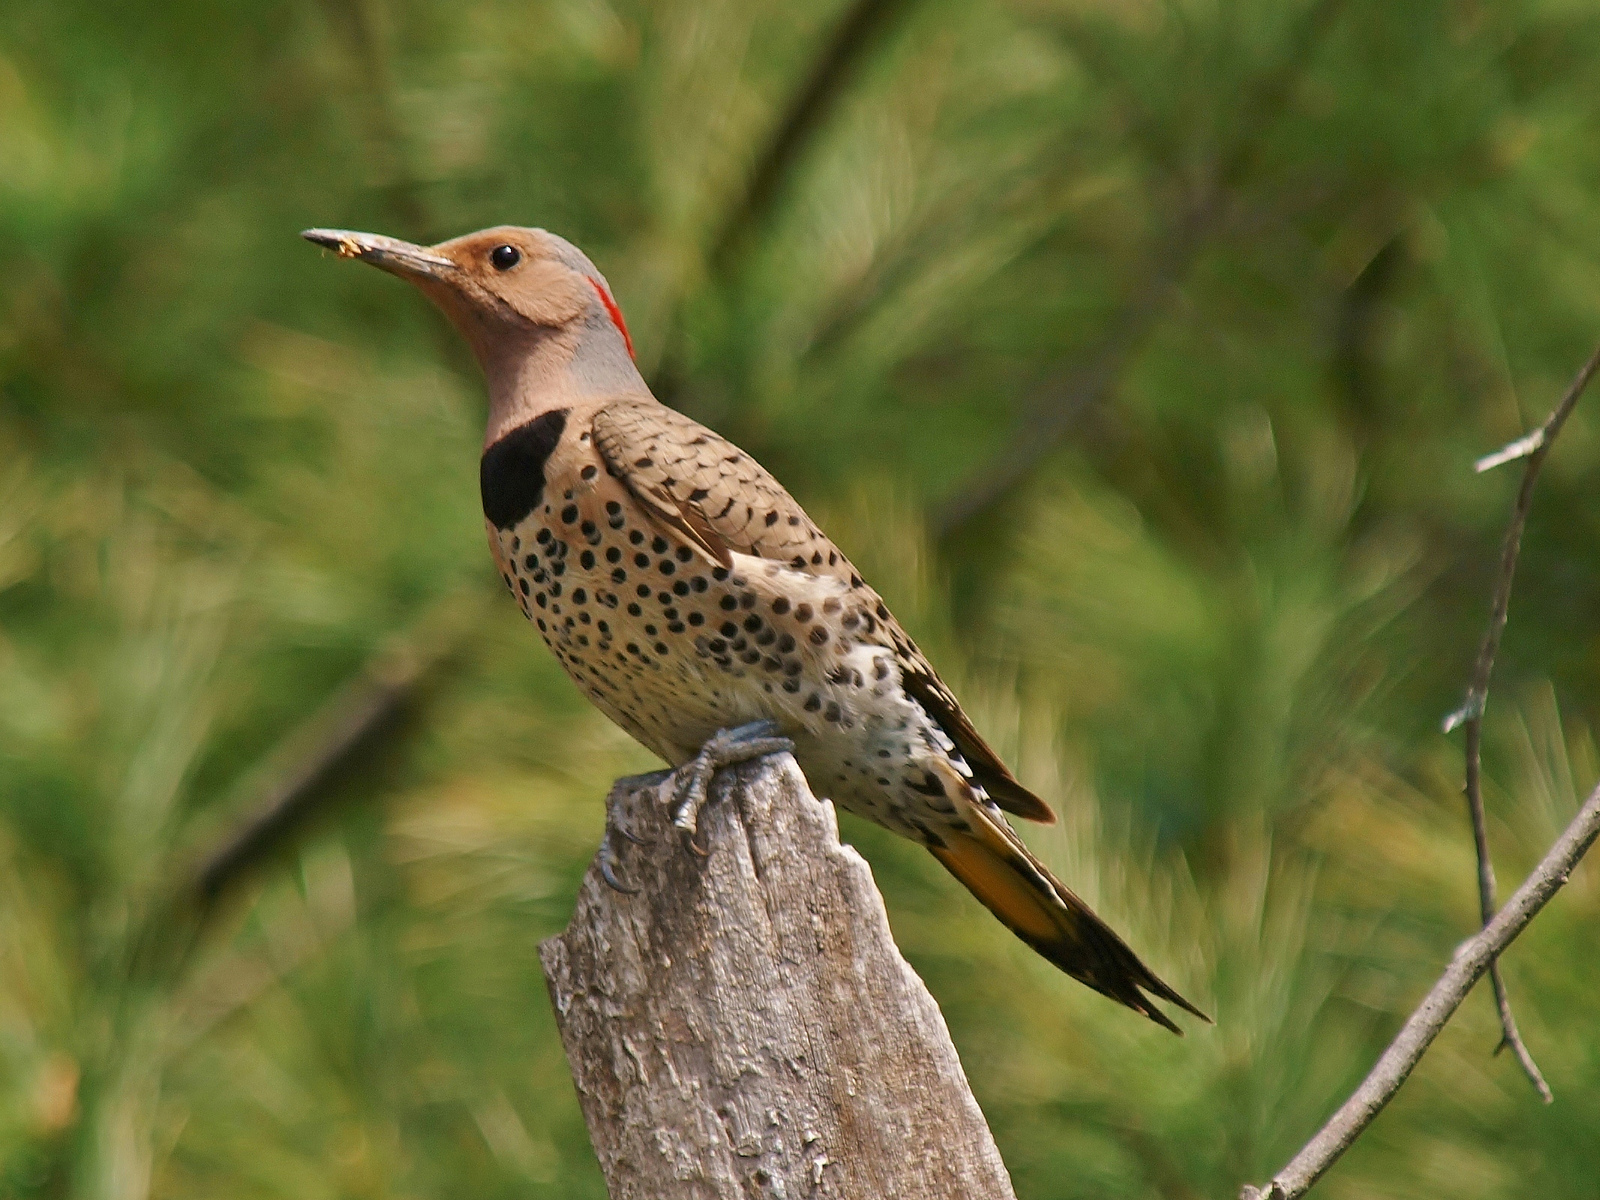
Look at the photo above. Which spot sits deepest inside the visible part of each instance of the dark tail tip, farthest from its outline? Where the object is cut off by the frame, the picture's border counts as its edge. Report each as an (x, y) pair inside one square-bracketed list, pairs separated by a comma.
[(1095, 955)]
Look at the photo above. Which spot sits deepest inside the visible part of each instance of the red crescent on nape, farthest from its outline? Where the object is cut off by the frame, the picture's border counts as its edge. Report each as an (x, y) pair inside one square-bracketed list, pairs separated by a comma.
[(614, 312)]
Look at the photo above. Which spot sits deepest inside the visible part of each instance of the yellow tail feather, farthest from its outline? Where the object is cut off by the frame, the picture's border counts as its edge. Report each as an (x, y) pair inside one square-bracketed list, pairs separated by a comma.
[(1014, 885)]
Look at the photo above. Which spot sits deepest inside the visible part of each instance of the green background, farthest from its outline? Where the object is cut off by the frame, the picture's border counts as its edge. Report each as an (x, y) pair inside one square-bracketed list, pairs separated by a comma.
[(1138, 351)]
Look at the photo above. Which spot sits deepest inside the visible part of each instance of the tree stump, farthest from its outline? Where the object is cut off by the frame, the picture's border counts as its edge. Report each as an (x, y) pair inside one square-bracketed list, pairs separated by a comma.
[(746, 1027)]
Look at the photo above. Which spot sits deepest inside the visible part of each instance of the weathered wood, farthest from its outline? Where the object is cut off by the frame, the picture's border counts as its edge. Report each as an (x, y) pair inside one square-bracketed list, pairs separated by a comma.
[(746, 1027)]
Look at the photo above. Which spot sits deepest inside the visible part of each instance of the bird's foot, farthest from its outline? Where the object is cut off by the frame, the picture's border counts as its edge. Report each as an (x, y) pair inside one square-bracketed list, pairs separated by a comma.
[(725, 748), (617, 800)]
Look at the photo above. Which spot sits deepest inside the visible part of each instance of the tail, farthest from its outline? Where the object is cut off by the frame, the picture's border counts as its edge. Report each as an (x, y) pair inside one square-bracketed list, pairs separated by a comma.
[(1014, 885)]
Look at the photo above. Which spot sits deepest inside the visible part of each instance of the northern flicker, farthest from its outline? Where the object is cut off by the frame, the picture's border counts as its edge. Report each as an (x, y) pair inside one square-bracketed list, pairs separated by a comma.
[(698, 606)]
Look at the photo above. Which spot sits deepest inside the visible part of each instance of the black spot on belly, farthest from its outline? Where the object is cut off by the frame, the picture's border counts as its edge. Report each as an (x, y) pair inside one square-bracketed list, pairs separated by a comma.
[(511, 473)]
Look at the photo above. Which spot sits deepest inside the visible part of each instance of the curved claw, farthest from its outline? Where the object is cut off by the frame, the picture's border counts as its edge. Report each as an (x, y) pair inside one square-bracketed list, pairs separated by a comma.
[(609, 875), (691, 781), (631, 835), (616, 824)]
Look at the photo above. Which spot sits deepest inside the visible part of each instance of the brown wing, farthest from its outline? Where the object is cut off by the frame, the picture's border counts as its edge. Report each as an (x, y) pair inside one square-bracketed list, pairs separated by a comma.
[(707, 490), (927, 689), (703, 488)]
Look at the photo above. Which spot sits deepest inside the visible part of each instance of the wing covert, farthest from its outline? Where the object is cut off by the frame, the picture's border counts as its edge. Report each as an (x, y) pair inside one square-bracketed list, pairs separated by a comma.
[(708, 491)]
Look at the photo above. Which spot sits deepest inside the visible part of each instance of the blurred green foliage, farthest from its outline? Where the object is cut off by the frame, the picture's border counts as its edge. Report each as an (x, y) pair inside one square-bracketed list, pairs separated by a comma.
[(1321, 256)]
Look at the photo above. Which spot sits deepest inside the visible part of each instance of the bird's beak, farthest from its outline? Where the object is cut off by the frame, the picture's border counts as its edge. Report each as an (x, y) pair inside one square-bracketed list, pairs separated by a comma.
[(390, 254)]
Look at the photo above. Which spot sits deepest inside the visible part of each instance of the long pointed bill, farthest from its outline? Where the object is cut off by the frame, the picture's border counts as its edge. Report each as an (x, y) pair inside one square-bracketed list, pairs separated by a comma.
[(389, 254)]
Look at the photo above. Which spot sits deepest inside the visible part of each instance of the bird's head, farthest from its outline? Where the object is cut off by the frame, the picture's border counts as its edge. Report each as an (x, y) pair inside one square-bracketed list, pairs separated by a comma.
[(521, 297)]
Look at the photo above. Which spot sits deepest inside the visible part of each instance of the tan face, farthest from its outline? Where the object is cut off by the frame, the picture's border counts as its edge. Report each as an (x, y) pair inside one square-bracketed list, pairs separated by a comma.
[(493, 282), (511, 274)]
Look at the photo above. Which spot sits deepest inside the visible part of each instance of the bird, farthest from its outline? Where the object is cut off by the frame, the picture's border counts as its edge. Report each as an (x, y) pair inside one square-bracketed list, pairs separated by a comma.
[(699, 607)]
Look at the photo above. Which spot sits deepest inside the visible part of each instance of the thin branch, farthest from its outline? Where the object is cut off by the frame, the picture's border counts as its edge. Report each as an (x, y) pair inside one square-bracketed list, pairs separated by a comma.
[(312, 756), (1534, 447), (1471, 960), (858, 30), (1510, 1035), (1481, 953), (1053, 412)]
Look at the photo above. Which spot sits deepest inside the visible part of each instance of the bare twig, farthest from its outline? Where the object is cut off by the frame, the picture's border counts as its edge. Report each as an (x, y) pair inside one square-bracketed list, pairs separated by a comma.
[(1058, 406), (1479, 954), (1471, 960), (1534, 447)]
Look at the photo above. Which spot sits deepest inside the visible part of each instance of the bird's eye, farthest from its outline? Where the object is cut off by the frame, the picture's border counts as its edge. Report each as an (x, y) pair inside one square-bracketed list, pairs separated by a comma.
[(505, 257)]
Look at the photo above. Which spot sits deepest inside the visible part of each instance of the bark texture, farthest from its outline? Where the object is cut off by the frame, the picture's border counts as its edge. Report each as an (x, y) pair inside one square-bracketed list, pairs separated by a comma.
[(746, 1027)]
